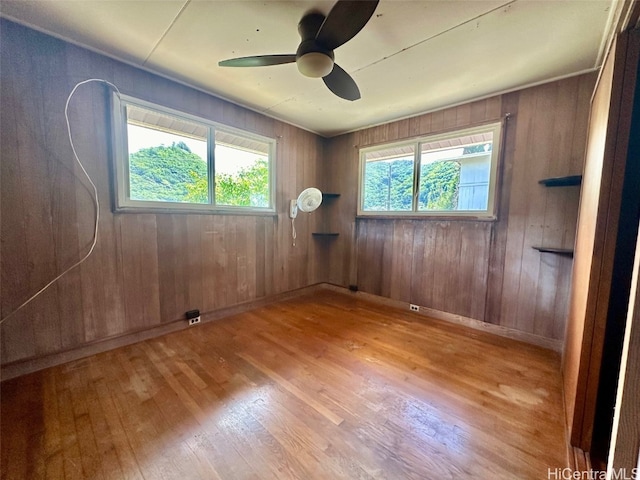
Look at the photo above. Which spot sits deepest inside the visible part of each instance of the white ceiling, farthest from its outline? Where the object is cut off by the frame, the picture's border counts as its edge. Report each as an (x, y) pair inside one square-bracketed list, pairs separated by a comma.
[(412, 56)]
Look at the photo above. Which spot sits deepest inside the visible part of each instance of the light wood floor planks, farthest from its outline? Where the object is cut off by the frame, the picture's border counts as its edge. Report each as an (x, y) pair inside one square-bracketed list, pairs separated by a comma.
[(324, 386)]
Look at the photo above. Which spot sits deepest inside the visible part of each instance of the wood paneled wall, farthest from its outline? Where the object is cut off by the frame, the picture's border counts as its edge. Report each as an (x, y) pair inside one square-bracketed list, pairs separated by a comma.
[(478, 269), (604, 251), (585, 242), (147, 269)]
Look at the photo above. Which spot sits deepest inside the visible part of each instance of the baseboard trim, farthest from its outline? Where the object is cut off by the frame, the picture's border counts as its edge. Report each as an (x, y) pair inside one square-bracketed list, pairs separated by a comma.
[(29, 365), (547, 343), (33, 364)]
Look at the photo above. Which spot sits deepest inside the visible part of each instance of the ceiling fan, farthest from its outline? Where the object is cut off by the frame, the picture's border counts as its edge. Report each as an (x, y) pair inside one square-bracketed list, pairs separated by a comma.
[(320, 37)]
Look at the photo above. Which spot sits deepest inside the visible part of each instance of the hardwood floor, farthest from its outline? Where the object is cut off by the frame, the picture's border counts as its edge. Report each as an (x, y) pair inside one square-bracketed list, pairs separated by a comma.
[(323, 386)]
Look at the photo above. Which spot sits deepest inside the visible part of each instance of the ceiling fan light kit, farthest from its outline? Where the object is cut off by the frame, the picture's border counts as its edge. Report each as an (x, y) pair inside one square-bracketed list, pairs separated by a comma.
[(320, 36), (315, 64)]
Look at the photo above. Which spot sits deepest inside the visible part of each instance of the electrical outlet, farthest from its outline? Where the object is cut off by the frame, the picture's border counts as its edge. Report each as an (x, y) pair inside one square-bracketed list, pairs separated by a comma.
[(193, 316), (414, 308)]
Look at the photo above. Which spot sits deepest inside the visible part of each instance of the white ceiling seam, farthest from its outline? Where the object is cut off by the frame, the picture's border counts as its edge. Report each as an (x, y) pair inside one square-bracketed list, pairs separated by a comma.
[(438, 34), (175, 19)]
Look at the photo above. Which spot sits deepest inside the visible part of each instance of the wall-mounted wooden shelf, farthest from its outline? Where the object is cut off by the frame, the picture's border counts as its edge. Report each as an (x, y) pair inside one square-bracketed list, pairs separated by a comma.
[(567, 181), (566, 252), (327, 196)]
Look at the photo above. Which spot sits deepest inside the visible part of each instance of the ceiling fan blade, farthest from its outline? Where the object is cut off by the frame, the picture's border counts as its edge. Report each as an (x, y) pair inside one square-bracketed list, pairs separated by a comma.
[(344, 21), (258, 61), (341, 83)]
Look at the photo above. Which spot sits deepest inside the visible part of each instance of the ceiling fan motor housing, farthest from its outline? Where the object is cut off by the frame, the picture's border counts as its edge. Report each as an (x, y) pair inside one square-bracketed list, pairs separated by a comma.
[(310, 24), (312, 58)]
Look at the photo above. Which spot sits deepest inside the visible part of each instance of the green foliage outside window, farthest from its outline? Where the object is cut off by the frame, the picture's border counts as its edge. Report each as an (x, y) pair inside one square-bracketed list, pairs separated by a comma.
[(439, 184), (248, 188), (175, 174), (165, 173), (388, 185)]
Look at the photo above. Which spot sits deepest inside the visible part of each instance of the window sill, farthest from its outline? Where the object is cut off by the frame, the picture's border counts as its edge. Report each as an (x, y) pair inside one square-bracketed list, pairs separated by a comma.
[(433, 218), (194, 211)]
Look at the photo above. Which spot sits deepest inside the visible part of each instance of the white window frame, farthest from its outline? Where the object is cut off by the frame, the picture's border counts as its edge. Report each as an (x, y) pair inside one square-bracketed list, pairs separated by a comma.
[(489, 214), (122, 200)]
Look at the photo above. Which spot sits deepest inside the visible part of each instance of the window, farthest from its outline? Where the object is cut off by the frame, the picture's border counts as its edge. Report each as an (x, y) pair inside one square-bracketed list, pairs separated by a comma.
[(168, 160), (452, 174)]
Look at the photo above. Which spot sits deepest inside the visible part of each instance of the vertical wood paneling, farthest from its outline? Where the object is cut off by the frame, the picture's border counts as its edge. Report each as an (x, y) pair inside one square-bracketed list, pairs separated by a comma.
[(417, 263), (388, 252), (340, 168), (269, 248), (437, 121), (441, 272), (63, 177), (12, 229), (219, 266), (242, 261), (482, 270), (550, 214), (166, 274), (544, 300), (604, 248), (260, 266), (402, 258), (423, 124), (450, 253), (537, 155), (33, 210), (478, 112), (230, 272), (517, 213), (498, 240), (463, 115), (146, 269), (138, 239), (207, 239), (475, 248), (422, 295), (193, 267)]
